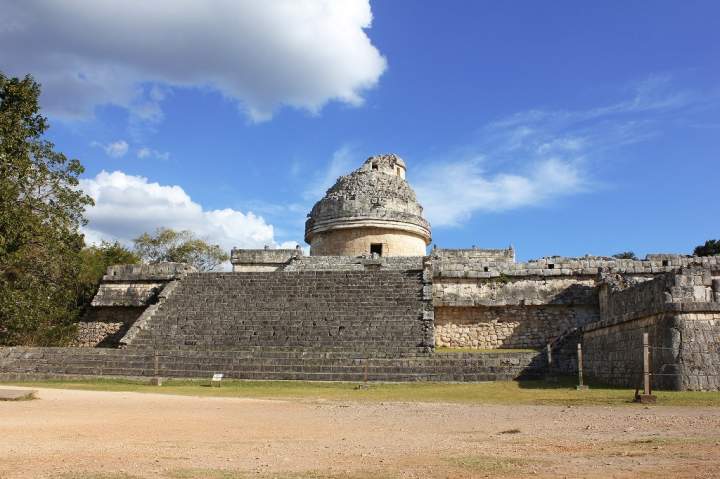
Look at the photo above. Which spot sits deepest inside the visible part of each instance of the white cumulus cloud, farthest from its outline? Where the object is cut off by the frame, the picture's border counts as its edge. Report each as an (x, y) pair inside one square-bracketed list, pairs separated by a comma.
[(127, 206), (261, 54)]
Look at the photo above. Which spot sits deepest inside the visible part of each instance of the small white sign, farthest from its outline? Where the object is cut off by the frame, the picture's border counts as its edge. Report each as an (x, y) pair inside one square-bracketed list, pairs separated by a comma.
[(217, 377)]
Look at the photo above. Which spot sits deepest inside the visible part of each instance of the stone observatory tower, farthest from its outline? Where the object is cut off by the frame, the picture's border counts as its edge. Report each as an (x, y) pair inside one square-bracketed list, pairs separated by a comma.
[(371, 210)]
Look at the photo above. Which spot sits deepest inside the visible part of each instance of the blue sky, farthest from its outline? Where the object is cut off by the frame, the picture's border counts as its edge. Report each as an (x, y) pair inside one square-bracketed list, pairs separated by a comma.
[(563, 128)]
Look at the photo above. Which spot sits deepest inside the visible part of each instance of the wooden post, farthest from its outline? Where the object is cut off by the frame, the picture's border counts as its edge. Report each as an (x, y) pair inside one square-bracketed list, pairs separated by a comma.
[(646, 364), (646, 396), (549, 355), (580, 386), (157, 380)]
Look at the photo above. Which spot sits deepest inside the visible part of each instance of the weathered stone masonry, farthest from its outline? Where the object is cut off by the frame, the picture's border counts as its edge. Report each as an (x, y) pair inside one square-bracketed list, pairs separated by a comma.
[(679, 310), (348, 310), (124, 295), (368, 302), (483, 299)]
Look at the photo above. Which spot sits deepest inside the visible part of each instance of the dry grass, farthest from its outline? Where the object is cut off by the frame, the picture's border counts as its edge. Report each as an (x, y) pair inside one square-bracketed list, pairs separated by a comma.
[(535, 392)]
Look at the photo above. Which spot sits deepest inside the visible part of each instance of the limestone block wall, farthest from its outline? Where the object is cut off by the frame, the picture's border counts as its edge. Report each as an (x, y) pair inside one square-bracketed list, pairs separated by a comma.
[(449, 265), (264, 363), (685, 351), (487, 327), (105, 326), (262, 260), (614, 354), (484, 299), (515, 291), (679, 312), (698, 351), (357, 241), (484, 256), (124, 293)]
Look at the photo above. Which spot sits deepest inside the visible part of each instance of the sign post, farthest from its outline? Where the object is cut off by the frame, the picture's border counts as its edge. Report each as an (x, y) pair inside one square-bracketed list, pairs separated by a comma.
[(580, 386)]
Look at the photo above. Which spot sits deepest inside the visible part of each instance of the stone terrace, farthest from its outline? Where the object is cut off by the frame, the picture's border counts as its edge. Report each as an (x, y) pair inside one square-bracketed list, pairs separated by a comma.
[(380, 311)]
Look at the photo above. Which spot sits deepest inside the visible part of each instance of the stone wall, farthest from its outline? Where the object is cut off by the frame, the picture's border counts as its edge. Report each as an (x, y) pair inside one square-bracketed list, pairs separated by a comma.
[(484, 299), (516, 291), (357, 241), (510, 327), (248, 260), (494, 257), (265, 363), (136, 285), (124, 293), (680, 313), (100, 334), (105, 326), (449, 265), (698, 350), (622, 299)]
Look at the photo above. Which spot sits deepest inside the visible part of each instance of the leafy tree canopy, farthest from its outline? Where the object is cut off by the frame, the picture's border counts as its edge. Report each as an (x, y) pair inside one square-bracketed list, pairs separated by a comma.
[(41, 210), (710, 248), (95, 261), (179, 246), (625, 255)]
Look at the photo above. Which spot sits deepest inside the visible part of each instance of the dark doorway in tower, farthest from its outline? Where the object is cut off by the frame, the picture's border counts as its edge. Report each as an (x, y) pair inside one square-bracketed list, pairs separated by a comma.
[(376, 248)]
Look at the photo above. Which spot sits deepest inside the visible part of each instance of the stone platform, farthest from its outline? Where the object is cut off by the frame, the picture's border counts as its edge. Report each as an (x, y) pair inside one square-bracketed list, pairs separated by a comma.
[(268, 364)]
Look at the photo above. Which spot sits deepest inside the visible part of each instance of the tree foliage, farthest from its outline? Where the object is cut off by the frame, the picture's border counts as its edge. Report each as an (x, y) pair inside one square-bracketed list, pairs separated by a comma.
[(179, 246), (625, 255), (94, 262), (710, 248), (41, 210)]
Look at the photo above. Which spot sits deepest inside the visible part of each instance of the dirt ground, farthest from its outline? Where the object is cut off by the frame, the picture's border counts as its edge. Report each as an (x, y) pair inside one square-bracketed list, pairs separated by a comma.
[(84, 434)]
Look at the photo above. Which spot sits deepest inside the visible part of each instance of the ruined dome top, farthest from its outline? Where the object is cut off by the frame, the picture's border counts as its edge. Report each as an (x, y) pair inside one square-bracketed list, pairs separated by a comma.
[(376, 194)]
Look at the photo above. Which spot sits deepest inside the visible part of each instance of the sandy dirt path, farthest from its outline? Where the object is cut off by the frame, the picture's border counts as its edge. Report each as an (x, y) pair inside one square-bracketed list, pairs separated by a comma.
[(68, 433)]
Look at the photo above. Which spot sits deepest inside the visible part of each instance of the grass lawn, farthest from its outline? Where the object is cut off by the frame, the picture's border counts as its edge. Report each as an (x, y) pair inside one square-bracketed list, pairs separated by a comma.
[(561, 392)]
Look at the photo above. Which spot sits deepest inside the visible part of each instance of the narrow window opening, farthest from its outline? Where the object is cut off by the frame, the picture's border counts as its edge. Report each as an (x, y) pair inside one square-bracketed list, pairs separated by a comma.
[(376, 248), (374, 166), (551, 266), (486, 269), (666, 262)]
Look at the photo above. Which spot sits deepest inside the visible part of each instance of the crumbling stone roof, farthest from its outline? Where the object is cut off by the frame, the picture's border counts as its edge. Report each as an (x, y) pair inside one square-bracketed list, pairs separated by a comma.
[(375, 191)]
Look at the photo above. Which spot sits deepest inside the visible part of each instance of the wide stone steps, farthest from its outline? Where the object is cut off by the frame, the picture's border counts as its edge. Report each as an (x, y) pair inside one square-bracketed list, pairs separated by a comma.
[(380, 310), (302, 364)]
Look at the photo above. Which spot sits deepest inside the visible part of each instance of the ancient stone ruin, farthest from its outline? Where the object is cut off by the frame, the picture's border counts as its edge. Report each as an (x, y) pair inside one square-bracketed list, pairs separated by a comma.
[(370, 303)]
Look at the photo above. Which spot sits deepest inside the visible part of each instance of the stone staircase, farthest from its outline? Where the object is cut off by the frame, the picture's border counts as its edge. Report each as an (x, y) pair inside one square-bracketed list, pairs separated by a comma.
[(355, 313), (265, 364), (319, 325)]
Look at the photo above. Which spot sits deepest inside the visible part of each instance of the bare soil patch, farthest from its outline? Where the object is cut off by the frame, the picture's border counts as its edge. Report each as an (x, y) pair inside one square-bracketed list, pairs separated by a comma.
[(127, 435)]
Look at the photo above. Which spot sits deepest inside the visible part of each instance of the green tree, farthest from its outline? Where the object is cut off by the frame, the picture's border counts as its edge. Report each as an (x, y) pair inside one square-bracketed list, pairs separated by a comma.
[(179, 246), (710, 248), (625, 255), (94, 262), (41, 210)]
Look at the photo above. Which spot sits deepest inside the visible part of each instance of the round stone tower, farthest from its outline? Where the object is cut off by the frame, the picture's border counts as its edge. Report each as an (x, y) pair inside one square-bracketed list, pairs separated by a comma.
[(371, 210)]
